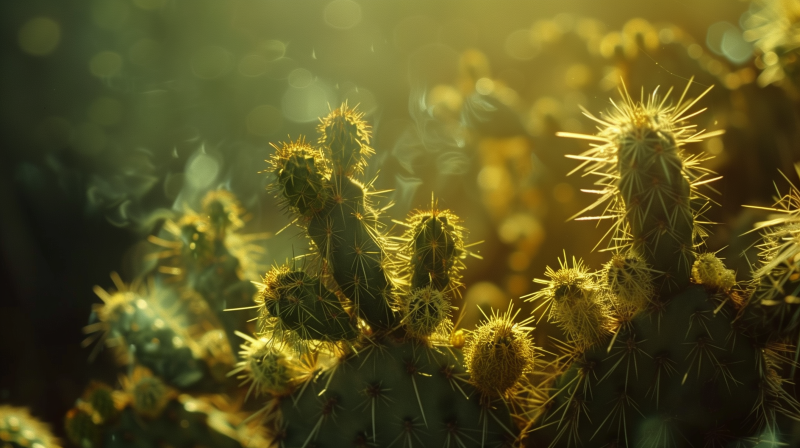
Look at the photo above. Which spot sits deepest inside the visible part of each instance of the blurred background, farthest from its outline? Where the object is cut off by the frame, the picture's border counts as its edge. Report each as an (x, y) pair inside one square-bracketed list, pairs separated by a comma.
[(119, 114)]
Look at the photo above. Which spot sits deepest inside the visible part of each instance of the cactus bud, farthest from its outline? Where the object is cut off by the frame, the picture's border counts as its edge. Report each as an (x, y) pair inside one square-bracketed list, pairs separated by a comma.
[(708, 270), (435, 248), (498, 353), (301, 177), (426, 311), (267, 367), (303, 305), (344, 136), (576, 302), (630, 282)]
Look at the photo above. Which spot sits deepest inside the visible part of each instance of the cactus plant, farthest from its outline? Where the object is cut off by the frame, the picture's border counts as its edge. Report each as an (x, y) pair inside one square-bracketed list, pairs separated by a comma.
[(355, 343), (19, 429), (367, 324), (170, 332), (682, 366)]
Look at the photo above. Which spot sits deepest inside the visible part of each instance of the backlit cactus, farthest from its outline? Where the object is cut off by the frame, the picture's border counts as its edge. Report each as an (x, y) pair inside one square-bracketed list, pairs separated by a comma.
[(371, 318), (354, 344), (648, 182), (678, 364), (774, 305)]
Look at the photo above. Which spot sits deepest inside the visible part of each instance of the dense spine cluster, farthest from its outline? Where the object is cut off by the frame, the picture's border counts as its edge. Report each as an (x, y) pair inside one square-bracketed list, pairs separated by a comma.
[(774, 305), (575, 300)]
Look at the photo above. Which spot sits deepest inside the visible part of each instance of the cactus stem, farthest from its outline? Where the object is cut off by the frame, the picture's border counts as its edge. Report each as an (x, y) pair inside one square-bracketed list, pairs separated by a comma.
[(648, 182)]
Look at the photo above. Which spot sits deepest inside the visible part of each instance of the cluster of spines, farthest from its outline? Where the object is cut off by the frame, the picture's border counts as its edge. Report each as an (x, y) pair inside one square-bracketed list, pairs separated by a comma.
[(499, 352), (344, 136), (577, 302), (709, 271), (629, 280), (648, 183), (302, 175), (292, 300), (267, 367), (775, 300)]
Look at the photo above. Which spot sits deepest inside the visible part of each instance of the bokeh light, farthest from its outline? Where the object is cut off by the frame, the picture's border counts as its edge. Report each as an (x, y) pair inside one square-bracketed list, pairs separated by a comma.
[(105, 64), (342, 14), (39, 36)]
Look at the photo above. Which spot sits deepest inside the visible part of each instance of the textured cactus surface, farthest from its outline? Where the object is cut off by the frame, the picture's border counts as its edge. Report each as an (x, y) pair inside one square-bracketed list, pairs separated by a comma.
[(675, 365), (364, 327), (355, 343)]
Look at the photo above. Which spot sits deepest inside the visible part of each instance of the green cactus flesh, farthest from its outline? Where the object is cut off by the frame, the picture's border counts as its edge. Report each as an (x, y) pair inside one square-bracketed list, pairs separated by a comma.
[(435, 250), (679, 372), (345, 233), (656, 197), (304, 306), (397, 393)]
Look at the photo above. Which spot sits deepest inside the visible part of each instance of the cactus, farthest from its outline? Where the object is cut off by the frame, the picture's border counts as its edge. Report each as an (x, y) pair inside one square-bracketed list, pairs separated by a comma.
[(361, 336), (146, 412), (169, 330), (19, 429), (654, 359), (773, 308), (354, 343)]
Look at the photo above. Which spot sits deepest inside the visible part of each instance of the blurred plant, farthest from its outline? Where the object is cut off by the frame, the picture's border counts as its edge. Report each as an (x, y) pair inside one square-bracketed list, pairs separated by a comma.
[(772, 26), (18, 429), (171, 332)]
